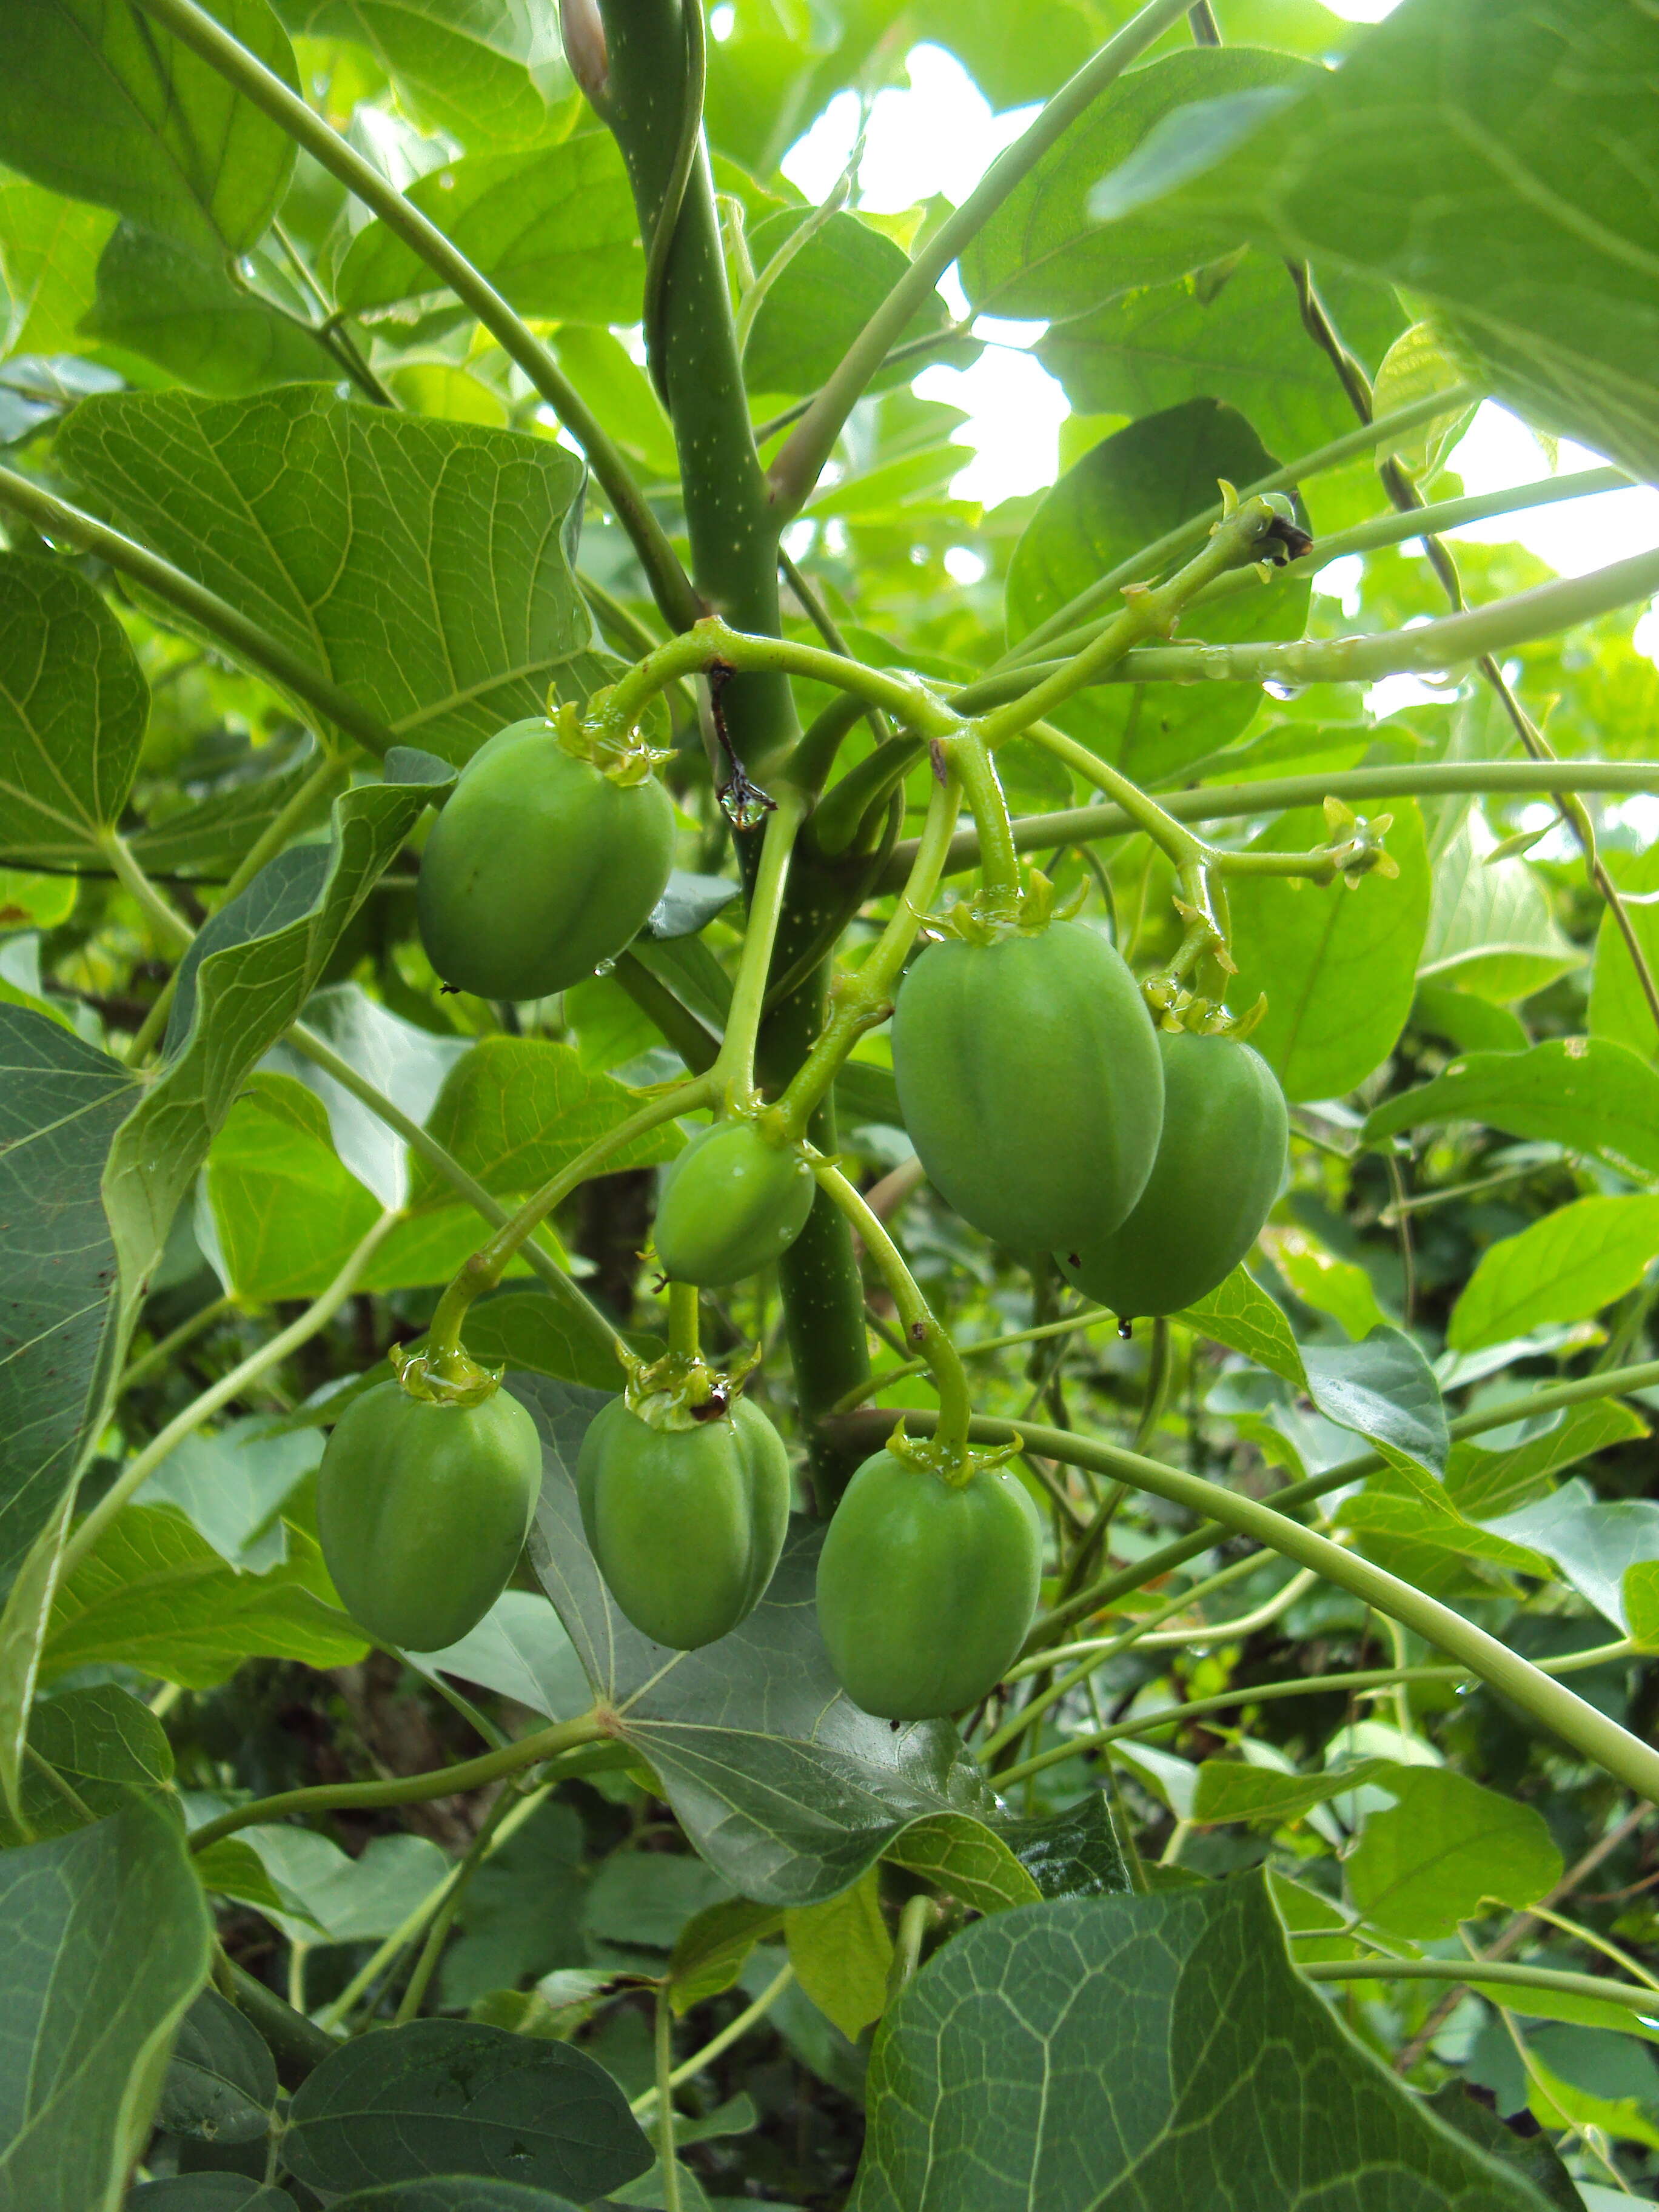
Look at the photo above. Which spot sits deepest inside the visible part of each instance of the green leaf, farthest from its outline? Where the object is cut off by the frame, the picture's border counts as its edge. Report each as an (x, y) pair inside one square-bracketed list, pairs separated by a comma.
[(180, 309), (1426, 1863), (1456, 2103), (1587, 1093), (49, 250), (1235, 1789), (352, 534), (1594, 1542), (555, 232), (515, 1112), (100, 1743), (61, 1104), (1638, 1591), (108, 1943), (1125, 492), (491, 73), (1340, 1288), (619, 393), (106, 106), (1044, 253), (208, 2192), (1339, 965), (1619, 1008), (1075, 1853), (453, 2193), (447, 2096), (1484, 1478), (1469, 1023), (249, 972), (230, 1485), (1549, 286), (968, 1859), (220, 2082), (533, 1332), (1490, 930), (73, 705), (330, 1897), (1564, 1267), (1239, 1314), (1130, 2054), (821, 300), (1235, 335), (842, 1954), (783, 1785), (155, 1595), (213, 836), (711, 1950)]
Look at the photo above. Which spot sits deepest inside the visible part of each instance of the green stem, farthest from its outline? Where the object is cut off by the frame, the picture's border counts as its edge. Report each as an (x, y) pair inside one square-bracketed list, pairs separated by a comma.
[(717, 2046), (197, 30), (664, 2046), (486, 1267), (874, 1383), (1278, 794), (600, 1333), (863, 997), (138, 1469), (1158, 1385), (698, 1047), (1589, 1732), (943, 1360), (998, 862), (1149, 559), (449, 1904), (1152, 610), (298, 2045), (408, 1789), (683, 1318), (175, 932), (734, 1071), (800, 463), (330, 777), (245, 640), (162, 1353), (913, 1916), (1496, 1975), (1384, 1677)]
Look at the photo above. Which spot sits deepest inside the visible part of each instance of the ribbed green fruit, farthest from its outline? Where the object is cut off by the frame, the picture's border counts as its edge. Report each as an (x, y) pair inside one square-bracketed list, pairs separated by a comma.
[(422, 1511), (540, 867), (686, 1524), (730, 1204), (1220, 1163), (926, 1591), (1028, 1075)]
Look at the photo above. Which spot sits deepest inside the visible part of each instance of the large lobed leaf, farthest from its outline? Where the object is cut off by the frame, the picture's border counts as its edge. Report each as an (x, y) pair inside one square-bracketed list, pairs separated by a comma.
[(1130, 2054)]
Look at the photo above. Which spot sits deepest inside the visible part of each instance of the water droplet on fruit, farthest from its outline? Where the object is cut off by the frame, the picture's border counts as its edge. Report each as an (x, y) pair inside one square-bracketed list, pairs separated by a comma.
[(1126, 1329)]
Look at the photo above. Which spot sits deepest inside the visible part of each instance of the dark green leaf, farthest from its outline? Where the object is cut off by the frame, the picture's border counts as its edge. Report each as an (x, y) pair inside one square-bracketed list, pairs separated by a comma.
[(220, 2082), (1045, 252), (1534, 2156), (453, 2193), (1587, 1093), (710, 1950), (211, 837), (1337, 965), (101, 1744), (1125, 492), (61, 1103), (1240, 340), (106, 1944), (73, 705), (351, 533), (968, 1858), (104, 105), (1134, 2053), (555, 232), (208, 2192), (690, 903), (822, 299), (1469, 1023), (1075, 1853), (444, 2096), (179, 308), (786, 1789), (1550, 285)]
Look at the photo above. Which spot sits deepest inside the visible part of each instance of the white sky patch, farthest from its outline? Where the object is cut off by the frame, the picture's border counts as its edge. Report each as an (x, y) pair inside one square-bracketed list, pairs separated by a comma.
[(939, 135)]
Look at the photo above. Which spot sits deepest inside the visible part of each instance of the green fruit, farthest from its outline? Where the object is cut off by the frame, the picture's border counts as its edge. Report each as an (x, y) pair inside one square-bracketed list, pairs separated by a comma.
[(1220, 1162), (540, 867), (926, 1591), (1029, 1075), (730, 1204), (422, 1511), (686, 1524)]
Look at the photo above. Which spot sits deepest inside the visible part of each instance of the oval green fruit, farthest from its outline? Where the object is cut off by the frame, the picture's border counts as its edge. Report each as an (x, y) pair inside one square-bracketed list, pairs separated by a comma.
[(540, 867), (1220, 1162), (686, 1524), (1029, 1075), (422, 1511), (926, 1591), (731, 1203)]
